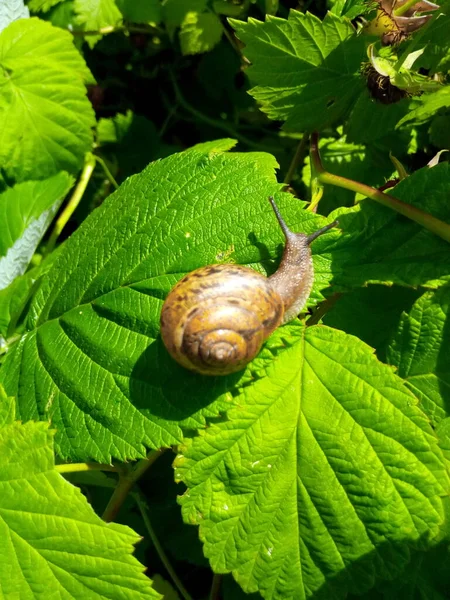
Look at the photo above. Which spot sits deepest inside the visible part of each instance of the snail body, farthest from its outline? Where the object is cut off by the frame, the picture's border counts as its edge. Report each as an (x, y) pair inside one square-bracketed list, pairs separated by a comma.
[(215, 320)]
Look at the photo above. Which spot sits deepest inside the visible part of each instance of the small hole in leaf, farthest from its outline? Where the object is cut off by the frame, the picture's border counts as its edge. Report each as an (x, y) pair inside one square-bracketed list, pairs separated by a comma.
[(331, 102)]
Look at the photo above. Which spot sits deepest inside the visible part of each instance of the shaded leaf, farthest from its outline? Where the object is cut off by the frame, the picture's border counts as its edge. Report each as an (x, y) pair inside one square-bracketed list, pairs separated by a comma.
[(427, 106), (362, 311), (419, 349), (147, 11)]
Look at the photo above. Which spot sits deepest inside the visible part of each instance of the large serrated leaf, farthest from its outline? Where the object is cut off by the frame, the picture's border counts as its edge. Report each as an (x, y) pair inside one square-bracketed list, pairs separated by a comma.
[(92, 358), (52, 544), (26, 211), (45, 116), (419, 349), (322, 477), (306, 71)]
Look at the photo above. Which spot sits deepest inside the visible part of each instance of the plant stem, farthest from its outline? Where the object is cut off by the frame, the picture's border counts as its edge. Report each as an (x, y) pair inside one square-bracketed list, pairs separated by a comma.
[(215, 587), (78, 192), (431, 223), (127, 479), (112, 29), (108, 173), (297, 159), (401, 10), (142, 505), (79, 467)]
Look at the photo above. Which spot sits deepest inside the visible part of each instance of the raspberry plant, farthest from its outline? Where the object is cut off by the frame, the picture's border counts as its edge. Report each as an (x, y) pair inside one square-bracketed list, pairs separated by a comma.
[(140, 140)]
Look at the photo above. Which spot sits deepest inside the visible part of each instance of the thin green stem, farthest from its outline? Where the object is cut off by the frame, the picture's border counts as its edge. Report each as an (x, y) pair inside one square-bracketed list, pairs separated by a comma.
[(108, 173), (78, 192), (215, 587), (431, 223), (217, 124), (79, 467), (401, 10), (127, 479), (112, 29), (297, 159), (142, 505)]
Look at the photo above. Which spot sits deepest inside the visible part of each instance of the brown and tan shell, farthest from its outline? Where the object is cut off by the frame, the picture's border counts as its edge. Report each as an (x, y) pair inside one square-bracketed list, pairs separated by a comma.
[(215, 320)]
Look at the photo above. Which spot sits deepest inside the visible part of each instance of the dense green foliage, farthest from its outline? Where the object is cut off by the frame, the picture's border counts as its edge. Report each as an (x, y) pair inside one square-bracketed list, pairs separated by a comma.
[(140, 140)]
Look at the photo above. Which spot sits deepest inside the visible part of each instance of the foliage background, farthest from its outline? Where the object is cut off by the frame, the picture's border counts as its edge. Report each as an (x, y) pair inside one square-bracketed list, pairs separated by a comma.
[(322, 469)]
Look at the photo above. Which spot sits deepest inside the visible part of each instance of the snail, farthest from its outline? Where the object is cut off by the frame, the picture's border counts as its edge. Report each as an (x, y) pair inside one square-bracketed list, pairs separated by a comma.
[(215, 320)]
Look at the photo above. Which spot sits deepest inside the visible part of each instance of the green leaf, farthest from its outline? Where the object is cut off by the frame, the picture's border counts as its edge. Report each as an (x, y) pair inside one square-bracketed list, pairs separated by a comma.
[(132, 141), (361, 311), (52, 543), (94, 15), (382, 246), (354, 161), (371, 121), (26, 211), (175, 11), (42, 5), (13, 300), (43, 101), (144, 11), (323, 475), (200, 32), (11, 10), (427, 106), (434, 37), (94, 323), (419, 349), (7, 409), (306, 71), (440, 131)]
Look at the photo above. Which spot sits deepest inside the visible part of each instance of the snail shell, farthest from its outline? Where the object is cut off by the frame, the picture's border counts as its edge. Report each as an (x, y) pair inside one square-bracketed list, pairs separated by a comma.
[(215, 320)]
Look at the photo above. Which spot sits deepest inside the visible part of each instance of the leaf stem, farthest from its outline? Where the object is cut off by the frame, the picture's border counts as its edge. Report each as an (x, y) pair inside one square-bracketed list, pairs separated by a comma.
[(127, 479), (431, 223), (78, 192), (109, 175), (112, 29), (215, 587), (142, 505), (79, 467), (297, 159)]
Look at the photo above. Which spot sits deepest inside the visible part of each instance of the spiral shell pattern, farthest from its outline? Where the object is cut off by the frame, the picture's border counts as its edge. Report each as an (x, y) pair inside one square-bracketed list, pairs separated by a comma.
[(215, 320)]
